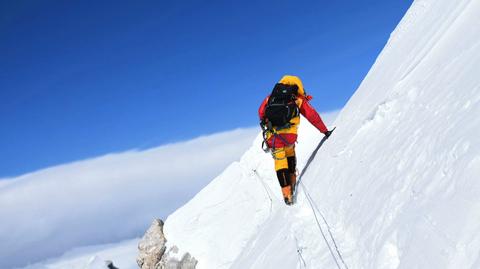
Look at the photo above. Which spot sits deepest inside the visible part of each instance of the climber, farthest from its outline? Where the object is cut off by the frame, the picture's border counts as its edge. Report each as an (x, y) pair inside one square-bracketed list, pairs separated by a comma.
[(279, 117)]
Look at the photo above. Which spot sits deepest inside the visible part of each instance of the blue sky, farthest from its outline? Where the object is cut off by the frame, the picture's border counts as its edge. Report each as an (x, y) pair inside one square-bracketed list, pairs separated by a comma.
[(86, 78)]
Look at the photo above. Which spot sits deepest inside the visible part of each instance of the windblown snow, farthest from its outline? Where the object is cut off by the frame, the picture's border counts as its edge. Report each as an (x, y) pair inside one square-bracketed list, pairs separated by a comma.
[(396, 186)]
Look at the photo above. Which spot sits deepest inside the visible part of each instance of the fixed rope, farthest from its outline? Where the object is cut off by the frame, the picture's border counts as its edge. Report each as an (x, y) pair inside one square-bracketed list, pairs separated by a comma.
[(312, 157), (320, 227), (265, 188), (300, 256), (315, 209)]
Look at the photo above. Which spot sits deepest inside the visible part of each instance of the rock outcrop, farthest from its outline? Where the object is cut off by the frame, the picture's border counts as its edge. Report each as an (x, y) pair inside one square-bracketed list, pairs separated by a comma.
[(153, 253), (152, 246)]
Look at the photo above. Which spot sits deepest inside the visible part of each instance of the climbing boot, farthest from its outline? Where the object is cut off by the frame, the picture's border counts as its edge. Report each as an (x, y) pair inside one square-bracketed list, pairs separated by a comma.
[(293, 181), (287, 195)]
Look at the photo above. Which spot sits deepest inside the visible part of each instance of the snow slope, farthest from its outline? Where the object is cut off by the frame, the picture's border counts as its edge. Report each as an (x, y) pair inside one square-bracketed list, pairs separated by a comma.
[(397, 184)]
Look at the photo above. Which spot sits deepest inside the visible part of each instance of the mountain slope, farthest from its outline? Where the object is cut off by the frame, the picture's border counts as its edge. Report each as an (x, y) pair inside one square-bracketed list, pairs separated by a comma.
[(397, 183)]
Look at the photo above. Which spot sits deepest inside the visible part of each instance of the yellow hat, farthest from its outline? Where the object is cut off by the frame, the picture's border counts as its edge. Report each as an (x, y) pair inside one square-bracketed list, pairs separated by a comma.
[(293, 80)]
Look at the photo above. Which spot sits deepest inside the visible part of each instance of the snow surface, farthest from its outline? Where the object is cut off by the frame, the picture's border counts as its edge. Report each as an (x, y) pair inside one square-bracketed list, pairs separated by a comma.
[(122, 254), (396, 186), (397, 183)]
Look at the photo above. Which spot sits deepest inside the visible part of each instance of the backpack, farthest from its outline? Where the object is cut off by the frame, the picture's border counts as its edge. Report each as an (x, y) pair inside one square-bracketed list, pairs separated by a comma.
[(281, 106)]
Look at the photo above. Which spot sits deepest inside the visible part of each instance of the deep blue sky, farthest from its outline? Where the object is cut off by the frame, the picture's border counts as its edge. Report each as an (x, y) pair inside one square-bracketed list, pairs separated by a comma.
[(84, 78)]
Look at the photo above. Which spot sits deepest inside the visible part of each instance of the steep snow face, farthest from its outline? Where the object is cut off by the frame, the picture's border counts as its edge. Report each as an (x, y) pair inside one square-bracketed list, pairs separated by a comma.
[(221, 221), (397, 184)]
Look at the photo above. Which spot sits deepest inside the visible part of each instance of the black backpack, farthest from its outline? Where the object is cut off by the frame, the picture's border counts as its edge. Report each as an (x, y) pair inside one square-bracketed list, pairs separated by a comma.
[(281, 106)]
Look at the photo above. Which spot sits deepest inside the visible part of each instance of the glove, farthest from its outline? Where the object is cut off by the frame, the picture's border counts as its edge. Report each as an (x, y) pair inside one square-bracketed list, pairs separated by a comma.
[(327, 133)]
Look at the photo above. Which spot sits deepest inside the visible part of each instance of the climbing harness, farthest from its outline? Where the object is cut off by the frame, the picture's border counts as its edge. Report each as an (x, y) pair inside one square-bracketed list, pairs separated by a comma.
[(269, 129)]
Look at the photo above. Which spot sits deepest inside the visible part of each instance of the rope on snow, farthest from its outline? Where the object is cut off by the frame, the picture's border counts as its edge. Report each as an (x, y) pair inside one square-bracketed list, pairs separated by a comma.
[(315, 208), (265, 188), (300, 256)]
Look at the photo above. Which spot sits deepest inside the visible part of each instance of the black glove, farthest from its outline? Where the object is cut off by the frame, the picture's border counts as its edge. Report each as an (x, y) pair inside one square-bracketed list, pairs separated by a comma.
[(328, 133)]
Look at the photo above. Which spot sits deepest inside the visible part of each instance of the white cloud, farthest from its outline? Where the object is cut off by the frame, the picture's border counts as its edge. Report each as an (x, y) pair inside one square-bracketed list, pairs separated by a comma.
[(110, 198)]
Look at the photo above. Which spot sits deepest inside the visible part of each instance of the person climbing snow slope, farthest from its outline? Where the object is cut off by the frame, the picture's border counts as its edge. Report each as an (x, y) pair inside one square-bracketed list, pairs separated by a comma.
[(279, 118)]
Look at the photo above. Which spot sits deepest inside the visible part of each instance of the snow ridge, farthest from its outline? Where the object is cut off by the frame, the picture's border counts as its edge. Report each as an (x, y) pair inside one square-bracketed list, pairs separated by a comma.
[(397, 183), (396, 186)]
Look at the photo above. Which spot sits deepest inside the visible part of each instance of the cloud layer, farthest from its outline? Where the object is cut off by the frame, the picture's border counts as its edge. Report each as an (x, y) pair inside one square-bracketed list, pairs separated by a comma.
[(109, 198)]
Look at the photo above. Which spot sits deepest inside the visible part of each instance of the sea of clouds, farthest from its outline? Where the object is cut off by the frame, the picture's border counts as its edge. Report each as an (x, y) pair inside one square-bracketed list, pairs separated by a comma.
[(109, 198)]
